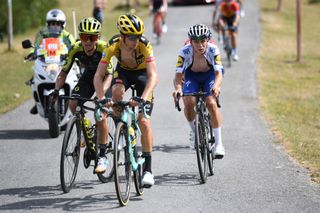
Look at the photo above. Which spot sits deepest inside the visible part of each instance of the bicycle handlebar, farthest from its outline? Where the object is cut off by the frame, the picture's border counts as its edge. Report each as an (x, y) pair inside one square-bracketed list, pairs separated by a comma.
[(195, 94), (141, 104), (98, 105)]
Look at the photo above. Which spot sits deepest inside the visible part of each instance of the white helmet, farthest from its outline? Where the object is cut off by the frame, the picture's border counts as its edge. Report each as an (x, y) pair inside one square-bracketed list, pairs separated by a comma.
[(56, 15)]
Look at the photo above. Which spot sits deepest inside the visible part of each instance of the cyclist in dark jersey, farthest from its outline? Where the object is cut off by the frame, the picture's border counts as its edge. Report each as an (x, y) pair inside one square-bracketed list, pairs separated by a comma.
[(88, 51)]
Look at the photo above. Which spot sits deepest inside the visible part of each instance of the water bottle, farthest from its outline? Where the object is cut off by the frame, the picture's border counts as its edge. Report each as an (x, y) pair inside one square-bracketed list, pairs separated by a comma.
[(87, 128), (132, 136)]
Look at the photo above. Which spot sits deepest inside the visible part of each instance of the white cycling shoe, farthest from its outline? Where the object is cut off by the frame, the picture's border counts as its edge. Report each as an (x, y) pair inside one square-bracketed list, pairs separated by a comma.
[(147, 180), (219, 151)]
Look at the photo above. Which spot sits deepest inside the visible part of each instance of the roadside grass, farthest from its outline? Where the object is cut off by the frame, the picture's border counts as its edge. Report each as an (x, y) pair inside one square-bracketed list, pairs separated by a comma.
[(14, 72), (289, 91)]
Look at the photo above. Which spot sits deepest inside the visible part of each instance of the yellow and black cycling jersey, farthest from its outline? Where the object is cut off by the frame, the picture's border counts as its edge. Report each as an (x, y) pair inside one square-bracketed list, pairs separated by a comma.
[(143, 53), (90, 63)]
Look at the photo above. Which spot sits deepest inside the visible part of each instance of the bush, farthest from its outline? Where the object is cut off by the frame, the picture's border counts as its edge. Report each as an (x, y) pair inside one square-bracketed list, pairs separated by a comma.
[(314, 1), (25, 14)]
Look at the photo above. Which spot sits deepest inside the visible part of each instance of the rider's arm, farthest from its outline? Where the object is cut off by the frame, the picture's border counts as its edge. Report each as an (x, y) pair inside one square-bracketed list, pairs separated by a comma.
[(108, 78), (66, 68), (61, 79), (237, 11), (98, 80), (152, 79)]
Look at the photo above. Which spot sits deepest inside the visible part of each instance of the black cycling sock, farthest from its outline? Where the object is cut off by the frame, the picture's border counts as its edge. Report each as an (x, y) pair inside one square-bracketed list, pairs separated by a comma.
[(103, 148), (147, 163)]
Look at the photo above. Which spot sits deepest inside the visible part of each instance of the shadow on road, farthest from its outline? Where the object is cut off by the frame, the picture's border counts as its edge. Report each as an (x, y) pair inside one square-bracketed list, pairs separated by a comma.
[(168, 148), (52, 197), (177, 179), (24, 134)]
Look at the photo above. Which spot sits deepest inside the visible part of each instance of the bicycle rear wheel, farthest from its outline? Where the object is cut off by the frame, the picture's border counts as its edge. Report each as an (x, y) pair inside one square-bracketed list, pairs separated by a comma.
[(122, 165), (108, 174), (70, 155), (201, 148)]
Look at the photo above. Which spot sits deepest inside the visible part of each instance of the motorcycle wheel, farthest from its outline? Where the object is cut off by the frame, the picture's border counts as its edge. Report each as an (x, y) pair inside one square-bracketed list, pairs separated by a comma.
[(53, 120)]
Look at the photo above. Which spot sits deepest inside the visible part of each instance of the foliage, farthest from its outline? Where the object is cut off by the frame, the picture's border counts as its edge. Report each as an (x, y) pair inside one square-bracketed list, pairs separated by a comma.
[(289, 91), (314, 1), (21, 10)]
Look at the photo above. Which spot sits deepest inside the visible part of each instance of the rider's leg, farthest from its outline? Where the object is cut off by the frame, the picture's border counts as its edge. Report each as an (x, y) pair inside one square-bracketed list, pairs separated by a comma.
[(118, 91), (234, 45), (189, 112), (215, 120), (72, 106)]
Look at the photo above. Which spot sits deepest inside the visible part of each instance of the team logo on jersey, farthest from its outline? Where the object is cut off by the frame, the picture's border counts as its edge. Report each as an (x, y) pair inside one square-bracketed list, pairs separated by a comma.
[(140, 59), (180, 62), (217, 60)]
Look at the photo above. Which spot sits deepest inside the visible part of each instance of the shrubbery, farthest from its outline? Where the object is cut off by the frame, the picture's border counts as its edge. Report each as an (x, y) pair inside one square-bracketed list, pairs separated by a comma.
[(26, 14), (314, 1)]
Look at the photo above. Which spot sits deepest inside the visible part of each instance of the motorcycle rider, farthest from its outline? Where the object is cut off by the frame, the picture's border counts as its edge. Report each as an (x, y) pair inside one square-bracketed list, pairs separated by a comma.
[(88, 51), (55, 28)]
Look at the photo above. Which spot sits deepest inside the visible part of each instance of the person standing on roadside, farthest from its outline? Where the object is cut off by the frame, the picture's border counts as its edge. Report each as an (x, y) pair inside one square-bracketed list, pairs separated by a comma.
[(98, 9)]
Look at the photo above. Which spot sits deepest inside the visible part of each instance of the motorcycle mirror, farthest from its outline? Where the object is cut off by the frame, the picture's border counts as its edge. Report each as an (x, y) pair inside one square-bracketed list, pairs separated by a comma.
[(26, 44)]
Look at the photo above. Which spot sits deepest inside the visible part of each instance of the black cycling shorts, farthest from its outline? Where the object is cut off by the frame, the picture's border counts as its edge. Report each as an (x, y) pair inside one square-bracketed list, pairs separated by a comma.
[(229, 21), (136, 78)]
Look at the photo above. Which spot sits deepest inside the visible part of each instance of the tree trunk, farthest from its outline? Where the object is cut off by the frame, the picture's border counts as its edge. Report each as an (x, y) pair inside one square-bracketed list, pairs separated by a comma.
[(279, 5)]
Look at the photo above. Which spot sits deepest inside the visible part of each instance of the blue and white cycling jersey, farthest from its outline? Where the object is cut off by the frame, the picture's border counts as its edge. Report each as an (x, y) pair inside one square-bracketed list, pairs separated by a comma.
[(212, 54), (196, 81)]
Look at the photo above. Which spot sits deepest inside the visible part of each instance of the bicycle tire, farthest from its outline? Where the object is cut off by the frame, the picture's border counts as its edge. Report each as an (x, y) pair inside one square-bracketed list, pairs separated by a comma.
[(70, 155), (108, 174), (122, 165), (201, 148), (210, 140), (137, 175)]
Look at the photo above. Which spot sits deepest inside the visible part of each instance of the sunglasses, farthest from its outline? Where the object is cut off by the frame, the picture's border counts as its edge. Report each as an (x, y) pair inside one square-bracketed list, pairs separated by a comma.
[(54, 23), (133, 37), (86, 37)]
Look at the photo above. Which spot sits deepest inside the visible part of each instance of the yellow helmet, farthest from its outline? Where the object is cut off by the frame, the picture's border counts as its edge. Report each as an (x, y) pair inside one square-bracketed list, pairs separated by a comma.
[(130, 25), (89, 26)]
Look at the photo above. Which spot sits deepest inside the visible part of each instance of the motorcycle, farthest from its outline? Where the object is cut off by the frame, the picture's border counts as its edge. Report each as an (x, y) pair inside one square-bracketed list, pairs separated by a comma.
[(48, 61)]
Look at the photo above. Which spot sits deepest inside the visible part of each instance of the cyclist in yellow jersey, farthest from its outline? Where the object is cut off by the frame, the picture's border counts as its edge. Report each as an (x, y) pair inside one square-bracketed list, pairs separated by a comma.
[(88, 51), (136, 66)]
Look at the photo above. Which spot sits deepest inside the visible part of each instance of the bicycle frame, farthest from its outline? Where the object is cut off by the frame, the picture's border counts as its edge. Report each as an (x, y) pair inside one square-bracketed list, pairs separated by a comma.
[(129, 118)]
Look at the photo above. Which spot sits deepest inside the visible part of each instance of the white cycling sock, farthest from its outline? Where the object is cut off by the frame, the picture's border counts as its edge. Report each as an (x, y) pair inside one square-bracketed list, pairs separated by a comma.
[(192, 126), (217, 135)]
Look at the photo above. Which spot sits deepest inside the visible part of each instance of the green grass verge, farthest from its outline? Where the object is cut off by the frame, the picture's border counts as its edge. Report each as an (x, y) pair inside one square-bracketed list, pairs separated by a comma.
[(14, 72), (289, 91)]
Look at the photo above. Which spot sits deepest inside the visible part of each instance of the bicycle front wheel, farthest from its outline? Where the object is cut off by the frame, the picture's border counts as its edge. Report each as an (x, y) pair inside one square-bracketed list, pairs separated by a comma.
[(122, 165), (201, 148), (70, 155), (108, 174), (210, 142), (137, 175)]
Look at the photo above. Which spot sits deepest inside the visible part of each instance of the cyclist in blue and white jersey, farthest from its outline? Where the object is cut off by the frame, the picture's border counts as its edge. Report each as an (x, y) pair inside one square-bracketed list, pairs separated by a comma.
[(199, 68)]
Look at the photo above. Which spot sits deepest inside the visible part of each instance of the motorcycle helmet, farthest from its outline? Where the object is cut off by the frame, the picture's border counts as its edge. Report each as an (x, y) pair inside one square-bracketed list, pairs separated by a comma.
[(56, 15)]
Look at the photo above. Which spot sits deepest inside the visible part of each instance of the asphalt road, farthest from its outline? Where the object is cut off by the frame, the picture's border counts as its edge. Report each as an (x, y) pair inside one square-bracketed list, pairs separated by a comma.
[(255, 175)]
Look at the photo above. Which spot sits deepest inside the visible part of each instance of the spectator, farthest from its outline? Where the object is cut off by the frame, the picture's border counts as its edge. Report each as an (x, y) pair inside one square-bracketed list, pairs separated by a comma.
[(98, 9)]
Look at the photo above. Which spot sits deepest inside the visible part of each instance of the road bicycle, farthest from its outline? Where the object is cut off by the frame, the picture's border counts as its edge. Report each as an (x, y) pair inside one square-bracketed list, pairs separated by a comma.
[(204, 138), (128, 158), (71, 146)]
